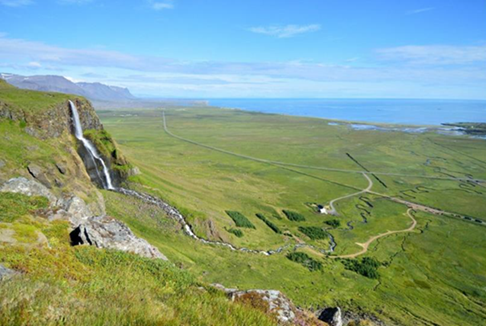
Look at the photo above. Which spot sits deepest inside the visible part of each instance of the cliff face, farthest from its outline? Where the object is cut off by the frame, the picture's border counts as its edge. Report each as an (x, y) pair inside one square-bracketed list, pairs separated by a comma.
[(53, 121)]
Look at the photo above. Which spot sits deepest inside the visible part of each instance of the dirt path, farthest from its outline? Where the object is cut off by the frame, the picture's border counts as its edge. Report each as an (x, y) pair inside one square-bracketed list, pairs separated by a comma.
[(376, 237), (367, 189)]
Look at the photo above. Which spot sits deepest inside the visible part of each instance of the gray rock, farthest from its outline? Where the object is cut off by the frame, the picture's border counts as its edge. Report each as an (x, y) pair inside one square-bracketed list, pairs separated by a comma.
[(2, 163), (76, 209), (107, 232), (36, 172), (29, 188), (6, 273), (332, 316), (278, 303), (61, 167)]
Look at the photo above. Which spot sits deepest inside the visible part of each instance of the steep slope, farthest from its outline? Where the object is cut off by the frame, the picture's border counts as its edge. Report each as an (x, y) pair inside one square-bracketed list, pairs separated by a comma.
[(45, 193)]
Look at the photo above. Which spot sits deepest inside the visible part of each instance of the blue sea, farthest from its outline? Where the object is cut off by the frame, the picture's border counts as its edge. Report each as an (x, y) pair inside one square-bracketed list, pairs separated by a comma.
[(397, 111)]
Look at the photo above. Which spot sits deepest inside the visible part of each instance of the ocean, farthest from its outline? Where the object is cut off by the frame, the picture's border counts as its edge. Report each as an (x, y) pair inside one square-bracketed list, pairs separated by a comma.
[(396, 111)]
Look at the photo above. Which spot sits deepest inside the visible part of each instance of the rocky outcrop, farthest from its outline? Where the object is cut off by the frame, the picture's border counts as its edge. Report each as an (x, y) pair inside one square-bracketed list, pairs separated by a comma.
[(272, 302), (332, 316), (100, 231), (107, 232), (29, 188)]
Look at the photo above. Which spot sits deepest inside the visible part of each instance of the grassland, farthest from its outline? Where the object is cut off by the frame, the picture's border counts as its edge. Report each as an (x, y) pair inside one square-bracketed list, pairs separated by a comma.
[(30, 101), (440, 264)]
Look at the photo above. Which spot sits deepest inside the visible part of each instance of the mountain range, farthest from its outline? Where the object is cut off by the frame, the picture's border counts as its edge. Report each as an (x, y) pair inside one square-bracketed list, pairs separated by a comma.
[(60, 84)]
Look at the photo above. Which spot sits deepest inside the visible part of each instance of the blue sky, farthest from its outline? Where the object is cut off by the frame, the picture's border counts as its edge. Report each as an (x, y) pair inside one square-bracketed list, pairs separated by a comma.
[(249, 48)]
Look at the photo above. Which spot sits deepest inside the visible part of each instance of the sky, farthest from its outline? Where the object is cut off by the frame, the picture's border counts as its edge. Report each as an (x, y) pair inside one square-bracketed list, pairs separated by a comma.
[(253, 48)]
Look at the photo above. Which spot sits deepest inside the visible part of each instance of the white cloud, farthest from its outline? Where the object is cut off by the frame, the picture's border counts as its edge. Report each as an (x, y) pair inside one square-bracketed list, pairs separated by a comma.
[(15, 3), (285, 31), (151, 74), (419, 11), (34, 64), (162, 5), (435, 54)]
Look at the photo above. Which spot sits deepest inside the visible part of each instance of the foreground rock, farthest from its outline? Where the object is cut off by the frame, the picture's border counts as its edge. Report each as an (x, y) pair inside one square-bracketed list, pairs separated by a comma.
[(100, 231), (332, 316), (272, 302), (107, 232)]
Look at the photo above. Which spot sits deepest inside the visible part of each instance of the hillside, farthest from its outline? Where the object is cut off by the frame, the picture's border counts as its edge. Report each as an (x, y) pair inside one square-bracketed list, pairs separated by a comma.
[(47, 196)]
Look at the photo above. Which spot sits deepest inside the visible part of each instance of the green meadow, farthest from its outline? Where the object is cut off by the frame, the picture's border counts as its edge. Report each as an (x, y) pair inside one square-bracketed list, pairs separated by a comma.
[(228, 160)]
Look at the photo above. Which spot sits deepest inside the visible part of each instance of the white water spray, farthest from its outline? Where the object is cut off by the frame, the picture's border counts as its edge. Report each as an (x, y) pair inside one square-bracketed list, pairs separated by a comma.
[(78, 132)]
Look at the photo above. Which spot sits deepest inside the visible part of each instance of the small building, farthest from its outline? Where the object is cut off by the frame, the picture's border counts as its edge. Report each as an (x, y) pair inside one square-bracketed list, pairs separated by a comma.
[(324, 209)]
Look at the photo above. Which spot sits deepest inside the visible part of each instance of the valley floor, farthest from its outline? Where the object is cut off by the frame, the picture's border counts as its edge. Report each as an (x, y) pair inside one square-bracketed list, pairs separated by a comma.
[(430, 264)]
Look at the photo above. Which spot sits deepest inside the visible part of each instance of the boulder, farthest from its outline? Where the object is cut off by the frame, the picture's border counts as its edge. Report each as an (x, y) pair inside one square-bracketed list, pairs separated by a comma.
[(75, 208), (2, 163), (107, 232), (273, 302), (61, 167), (36, 172), (29, 188), (332, 316)]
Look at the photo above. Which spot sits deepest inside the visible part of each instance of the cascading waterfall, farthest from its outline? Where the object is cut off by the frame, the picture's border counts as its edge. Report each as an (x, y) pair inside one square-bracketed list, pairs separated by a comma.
[(92, 152)]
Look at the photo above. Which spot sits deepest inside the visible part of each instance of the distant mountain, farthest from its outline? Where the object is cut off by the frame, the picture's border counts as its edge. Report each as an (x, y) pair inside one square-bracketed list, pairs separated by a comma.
[(93, 91)]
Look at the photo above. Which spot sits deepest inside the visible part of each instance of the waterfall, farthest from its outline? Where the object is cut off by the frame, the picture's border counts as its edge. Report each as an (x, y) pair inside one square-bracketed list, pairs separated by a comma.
[(91, 149)]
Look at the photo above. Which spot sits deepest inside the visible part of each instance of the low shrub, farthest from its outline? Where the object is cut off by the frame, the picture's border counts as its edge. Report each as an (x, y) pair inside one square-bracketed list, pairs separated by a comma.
[(305, 260), (313, 232), (293, 216), (269, 223), (368, 267), (240, 220), (333, 223), (236, 232)]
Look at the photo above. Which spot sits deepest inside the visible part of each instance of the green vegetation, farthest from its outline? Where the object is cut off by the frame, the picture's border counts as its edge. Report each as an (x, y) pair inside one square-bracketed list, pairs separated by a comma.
[(293, 216), (366, 266), (305, 260), (240, 220), (269, 223), (205, 183), (333, 223), (30, 101), (84, 285), (236, 232), (13, 206), (313, 232)]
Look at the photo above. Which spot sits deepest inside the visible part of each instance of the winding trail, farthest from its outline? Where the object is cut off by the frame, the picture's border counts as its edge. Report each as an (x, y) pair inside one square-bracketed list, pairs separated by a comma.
[(367, 189), (175, 214), (376, 237)]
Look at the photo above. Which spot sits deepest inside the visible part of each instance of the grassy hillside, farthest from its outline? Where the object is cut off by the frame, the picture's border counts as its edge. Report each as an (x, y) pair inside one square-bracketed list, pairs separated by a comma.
[(88, 286), (205, 182), (30, 101), (57, 284)]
